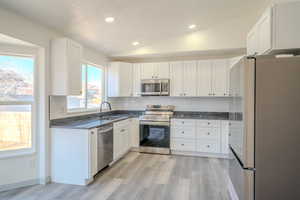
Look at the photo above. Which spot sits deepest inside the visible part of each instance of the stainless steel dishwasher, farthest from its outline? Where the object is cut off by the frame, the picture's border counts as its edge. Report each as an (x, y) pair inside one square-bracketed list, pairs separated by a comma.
[(105, 146)]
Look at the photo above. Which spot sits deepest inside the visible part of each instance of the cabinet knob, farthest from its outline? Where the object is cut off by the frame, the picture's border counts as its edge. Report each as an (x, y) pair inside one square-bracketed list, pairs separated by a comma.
[(182, 144), (208, 123), (208, 146), (182, 132), (182, 122), (92, 132), (208, 133)]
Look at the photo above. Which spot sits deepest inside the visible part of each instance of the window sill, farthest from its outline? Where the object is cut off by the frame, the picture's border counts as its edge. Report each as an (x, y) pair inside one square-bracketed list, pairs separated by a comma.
[(16, 153)]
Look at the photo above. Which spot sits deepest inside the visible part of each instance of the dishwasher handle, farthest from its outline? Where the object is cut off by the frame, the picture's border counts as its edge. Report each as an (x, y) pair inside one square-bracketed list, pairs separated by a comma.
[(105, 130)]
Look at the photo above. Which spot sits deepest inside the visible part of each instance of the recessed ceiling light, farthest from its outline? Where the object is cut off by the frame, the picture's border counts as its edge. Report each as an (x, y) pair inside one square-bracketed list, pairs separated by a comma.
[(135, 43), (192, 26), (109, 19)]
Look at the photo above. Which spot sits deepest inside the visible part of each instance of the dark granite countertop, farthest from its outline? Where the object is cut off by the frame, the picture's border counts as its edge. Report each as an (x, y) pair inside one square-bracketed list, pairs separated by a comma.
[(99, 119), (91, 121), (201, 115)]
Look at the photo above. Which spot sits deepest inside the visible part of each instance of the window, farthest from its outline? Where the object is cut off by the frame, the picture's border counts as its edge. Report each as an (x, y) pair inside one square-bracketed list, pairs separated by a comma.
[(16, 102), (92, 90)]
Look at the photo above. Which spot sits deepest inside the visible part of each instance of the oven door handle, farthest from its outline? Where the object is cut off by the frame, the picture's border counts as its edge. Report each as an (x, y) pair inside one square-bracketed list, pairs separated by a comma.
[(154, 123)]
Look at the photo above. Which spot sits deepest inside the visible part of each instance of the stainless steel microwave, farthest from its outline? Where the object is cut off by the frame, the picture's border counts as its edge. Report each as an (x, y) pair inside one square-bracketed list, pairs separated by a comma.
[(155, 87)]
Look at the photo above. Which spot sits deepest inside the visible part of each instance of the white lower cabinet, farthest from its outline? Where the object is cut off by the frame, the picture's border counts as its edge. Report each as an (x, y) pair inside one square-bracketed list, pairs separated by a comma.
[(183, 144), (122, 141), (135, 132), (199, 136), (208, 146)]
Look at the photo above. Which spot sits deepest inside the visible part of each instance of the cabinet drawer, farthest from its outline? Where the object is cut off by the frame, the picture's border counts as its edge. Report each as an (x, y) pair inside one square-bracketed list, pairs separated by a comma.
[(183, 144), (208, 123), (208, 146), (183, 132), (208, 133), (183, 122)]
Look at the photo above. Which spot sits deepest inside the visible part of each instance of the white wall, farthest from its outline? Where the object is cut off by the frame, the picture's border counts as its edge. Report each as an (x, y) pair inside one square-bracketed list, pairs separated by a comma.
[(201, 104), (35, 167)]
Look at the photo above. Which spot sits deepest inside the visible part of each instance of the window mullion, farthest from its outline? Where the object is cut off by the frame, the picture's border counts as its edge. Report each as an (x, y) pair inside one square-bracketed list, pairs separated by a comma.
[(86, 89)]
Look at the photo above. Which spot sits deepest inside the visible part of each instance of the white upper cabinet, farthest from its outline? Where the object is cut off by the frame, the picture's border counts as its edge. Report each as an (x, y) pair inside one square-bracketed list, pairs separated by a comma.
[(190, 78), (183, 78), (147, 70), (162, 70), (155, 70), (120, 80), (66, 67), (176, 76), (252, 42), (220, 77), (204, 77), (213, 77), (136, 87), (276, 31)]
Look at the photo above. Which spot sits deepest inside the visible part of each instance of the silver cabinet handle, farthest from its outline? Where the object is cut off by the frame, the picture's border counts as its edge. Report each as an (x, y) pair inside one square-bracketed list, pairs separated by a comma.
[(182, 144)]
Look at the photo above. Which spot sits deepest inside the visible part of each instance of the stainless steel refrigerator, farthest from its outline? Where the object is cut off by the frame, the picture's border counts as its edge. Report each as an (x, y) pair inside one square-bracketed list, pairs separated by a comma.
[(265, 128)]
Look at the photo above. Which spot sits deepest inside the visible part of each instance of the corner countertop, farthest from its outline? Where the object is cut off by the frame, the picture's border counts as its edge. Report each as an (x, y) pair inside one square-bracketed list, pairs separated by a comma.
[(91, 121)]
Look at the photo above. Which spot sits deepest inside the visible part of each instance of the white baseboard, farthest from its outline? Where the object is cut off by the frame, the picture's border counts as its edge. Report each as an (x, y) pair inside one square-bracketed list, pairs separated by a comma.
[(19, 185), (199, 154)]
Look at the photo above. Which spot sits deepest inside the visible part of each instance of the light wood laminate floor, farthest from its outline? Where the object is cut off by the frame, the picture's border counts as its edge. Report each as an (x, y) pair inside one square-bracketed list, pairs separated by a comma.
[(141, 177)]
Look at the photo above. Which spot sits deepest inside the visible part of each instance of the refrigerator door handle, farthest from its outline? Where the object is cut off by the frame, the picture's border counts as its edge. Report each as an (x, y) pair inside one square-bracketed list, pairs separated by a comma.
[(240, 162)]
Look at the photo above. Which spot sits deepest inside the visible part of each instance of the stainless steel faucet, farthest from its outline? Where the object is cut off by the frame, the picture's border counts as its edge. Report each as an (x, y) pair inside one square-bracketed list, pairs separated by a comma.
[(105, 102)]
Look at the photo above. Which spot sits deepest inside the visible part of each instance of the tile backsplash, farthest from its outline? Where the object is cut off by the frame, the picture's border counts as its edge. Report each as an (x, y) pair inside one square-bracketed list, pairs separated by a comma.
[(204, 104)]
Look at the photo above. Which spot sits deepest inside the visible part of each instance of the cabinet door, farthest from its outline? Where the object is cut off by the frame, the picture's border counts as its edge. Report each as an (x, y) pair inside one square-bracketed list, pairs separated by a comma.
[(162, 70), (220, 77), (224, 137), (204, 77), (264, 32), (74, 68), (252, 42), (134, 133), (112, 80), (136, 83), (176, 69), (147, 70), (117, 144), (93, 152), (190, 78), (125, 80)]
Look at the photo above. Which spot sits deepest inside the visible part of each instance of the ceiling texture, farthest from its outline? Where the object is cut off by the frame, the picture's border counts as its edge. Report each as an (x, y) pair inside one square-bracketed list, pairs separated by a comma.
[(146, 21)]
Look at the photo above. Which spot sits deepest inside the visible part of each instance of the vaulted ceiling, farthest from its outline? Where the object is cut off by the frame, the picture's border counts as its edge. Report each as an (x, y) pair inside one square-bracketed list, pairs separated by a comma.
[(149, 22)]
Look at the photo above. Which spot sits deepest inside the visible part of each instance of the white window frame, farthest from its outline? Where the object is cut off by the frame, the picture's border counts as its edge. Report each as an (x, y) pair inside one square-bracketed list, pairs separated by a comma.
[(86, 109), (32, 149)]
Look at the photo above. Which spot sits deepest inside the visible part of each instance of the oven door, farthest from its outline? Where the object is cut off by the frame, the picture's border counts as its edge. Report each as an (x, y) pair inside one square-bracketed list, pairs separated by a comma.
[(155, 137), (151, 87)]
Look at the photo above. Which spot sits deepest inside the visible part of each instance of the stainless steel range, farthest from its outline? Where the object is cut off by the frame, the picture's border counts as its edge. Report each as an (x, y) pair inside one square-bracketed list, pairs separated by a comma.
[(155, 129)]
